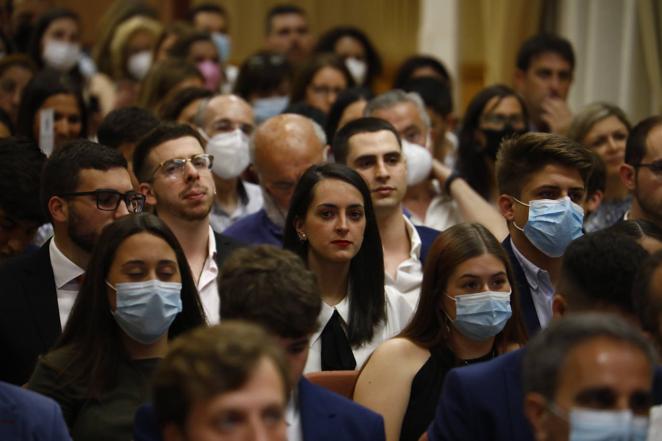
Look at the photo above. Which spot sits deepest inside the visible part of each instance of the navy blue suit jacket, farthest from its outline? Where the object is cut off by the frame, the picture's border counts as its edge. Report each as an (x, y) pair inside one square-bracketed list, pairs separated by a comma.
[(428, 235), (256, 229), (26, 415), (324, 416), (527, 307)]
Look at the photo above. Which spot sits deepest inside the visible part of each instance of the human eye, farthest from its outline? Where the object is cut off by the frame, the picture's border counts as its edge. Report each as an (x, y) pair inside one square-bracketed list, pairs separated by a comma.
[(620, 136), (499, 282), (172, 166), (200, 161), (228, 421), (74, 119), (544, 73), (326, 213), (166, 271), (107, 199), (392, 158), (471, 285), (576, 196), (548, 194), (364, 162), (656, 167), (599, 142), (273, 416), (356, 214)]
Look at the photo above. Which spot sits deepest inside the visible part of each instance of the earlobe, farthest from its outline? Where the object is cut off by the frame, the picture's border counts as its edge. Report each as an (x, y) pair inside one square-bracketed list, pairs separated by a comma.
[(146, 189), (58, 209), (559, 306), (298, 227), (628, 176), (506, 208), (518, 78), (535, 410)]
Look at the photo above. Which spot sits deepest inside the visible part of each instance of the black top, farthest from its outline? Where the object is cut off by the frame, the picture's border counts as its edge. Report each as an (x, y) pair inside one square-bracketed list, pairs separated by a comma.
[(426, 390)]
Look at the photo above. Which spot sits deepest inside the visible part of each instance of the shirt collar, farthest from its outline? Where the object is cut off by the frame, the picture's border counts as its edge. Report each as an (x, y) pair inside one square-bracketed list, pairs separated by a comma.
[(211, 244), (64, 270), (415, 239), (534, 275), (327, 312)]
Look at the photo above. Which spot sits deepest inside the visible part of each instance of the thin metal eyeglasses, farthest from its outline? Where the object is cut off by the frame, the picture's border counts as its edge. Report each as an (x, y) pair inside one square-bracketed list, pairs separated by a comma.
[(174, 168), (109, 200)]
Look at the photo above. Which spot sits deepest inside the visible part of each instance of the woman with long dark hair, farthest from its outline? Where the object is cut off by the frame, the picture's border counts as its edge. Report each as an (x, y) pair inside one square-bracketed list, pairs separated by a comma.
[(332, 226), (468, 312), (138, 293)]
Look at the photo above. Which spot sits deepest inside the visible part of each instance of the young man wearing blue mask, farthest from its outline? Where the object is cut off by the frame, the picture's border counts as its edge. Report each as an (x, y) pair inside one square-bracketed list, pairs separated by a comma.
[(542, 183), (589, 377)]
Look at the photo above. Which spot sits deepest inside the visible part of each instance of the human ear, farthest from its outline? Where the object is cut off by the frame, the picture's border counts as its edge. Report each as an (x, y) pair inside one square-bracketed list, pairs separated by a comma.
[(58, 209), (628, 176), (298, 227), (559, 305), (146, 189), (506, 207), (535, 410)]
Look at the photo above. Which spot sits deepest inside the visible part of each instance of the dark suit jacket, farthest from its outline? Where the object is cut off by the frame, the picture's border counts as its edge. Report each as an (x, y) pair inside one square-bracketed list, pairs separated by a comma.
[(29, 316), (427, 235), (527, 307), (225, 246), (324, 416), (26, 415)]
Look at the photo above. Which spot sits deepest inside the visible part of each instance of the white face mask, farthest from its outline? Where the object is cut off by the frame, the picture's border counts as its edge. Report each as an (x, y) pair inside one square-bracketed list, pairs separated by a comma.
[(138, 64), (419, 162), (61, 55), (358, 69), (231, 155)]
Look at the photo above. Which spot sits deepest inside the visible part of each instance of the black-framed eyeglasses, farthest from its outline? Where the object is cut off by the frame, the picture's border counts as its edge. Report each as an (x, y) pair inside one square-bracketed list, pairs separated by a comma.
[(109, 200), (655, 167), (174, 168)]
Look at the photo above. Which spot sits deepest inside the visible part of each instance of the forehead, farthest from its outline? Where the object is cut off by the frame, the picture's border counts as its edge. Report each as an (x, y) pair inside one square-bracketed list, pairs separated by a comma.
[(401, 116), (289, 20), (553, 175), (175, 148), (61, 101), (549, 60), (484, 265), (231, 108), (336, 192), (62, 23), (144, 246), (603, 362), (372, 143), (654, 144), (502, 105), (117, 178)]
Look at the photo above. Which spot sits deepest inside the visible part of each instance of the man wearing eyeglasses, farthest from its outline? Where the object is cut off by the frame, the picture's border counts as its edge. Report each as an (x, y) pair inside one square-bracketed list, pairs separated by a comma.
[(175, 176), (84, 187), (642, 171)]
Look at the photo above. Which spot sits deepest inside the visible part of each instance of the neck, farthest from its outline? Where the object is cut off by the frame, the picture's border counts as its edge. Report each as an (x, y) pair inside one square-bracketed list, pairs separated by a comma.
[(466, 349), (332, 278), (550, 264), (226, 193), (615, 188), (193, 236), (72, 251), (139, 351), (391, 224)]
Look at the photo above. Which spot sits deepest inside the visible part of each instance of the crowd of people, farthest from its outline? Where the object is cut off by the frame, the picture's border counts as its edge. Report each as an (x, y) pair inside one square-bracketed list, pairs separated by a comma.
[(186, 244)]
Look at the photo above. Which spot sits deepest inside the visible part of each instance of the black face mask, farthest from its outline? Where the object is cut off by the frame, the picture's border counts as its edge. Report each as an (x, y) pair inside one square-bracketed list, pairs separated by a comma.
[(493, 139)]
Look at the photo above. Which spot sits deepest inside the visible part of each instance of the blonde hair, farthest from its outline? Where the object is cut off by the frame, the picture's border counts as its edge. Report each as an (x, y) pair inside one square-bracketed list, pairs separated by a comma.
[(123, 34)]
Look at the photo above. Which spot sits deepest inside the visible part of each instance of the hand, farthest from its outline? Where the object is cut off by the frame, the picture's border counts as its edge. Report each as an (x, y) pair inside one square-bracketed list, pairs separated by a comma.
[(557, 115)]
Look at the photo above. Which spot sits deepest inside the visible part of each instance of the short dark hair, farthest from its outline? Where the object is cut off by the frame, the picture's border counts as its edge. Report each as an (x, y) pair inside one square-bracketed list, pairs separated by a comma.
[(598, 179), (520, 157), (43, 85), (637, 229), (366, 124), (345, 98), (21, 162), (164, 132), (262, 74), (125, 125), (541, 44), (547, 352), (180, 50), (647, 303), (62, 169), (208, 362), (207, 7), (471, 163), (411, 64), (174, 104), (284, 9), (436, 94), (35, 47), (635, 148), (271, 287), (367, 306), (307, 73), (598, 271)]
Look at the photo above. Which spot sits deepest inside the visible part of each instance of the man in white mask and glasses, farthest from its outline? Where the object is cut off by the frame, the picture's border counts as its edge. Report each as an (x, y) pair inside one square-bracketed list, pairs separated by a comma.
[(226, 121), (282, 148)]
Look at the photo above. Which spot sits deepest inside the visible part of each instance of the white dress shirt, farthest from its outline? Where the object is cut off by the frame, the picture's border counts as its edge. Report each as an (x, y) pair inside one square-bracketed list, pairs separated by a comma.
[(540, 284), (441, 214), (398, 313), (208, 284), (65, 273), (220, 219), (293, 418), (409, 275)]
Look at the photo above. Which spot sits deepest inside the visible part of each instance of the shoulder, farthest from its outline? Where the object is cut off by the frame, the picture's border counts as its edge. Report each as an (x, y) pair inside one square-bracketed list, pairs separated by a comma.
[(246, 223), (336, 403), (480, 374), (223, 240), (426, 234), (24, 400), (255, 228), (400, 356)]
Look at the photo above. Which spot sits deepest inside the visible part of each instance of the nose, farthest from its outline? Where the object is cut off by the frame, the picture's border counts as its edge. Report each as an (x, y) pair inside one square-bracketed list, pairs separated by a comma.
[(341, 225), (122, 210), (381, 171), (63, 128), (191, 173)]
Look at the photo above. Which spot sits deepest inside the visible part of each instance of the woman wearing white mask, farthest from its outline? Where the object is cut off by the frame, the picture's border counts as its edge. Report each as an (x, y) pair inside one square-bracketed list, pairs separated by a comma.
[(55, 41), (356, 50), (138, 294), (320, 81), (468, 312)]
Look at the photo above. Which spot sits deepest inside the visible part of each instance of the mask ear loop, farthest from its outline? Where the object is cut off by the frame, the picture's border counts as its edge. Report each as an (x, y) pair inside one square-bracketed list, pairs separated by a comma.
[(513, 221)]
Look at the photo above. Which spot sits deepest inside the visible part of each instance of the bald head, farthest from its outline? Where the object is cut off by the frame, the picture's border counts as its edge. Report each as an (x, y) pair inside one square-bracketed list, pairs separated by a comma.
[(225, 113), (283, 148)]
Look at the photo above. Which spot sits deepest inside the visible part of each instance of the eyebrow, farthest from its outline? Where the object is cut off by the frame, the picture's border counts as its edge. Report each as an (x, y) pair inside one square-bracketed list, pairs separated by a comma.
[(325, 205), (500, 273), (142, 262)]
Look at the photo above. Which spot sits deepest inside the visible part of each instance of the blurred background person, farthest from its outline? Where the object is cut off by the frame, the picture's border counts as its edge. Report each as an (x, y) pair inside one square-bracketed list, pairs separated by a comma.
[(319, 82)]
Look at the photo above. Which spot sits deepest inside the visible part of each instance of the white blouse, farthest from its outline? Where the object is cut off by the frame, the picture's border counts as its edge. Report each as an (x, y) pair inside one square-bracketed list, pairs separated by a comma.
[(398, 314)]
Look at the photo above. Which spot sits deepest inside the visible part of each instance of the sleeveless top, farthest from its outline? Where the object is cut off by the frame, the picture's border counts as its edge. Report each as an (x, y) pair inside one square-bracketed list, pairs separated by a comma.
[(426, 390)]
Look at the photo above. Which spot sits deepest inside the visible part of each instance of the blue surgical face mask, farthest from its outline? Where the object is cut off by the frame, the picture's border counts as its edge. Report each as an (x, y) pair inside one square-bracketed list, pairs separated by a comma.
[(265, 108), (482, 315), (604, 425), (223, 46), (145, 310), (552, 224)]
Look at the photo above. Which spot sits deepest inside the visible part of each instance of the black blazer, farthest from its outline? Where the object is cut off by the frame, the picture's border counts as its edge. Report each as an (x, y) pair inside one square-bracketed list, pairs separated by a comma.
[(225, 246), (29, 314), (525, 300)]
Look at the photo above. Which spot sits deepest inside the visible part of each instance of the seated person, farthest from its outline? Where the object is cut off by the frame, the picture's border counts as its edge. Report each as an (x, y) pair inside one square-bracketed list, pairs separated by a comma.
[(332, 226), (229, 381), (253, 280), (138, 293), (589, 376), (468, 313)]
